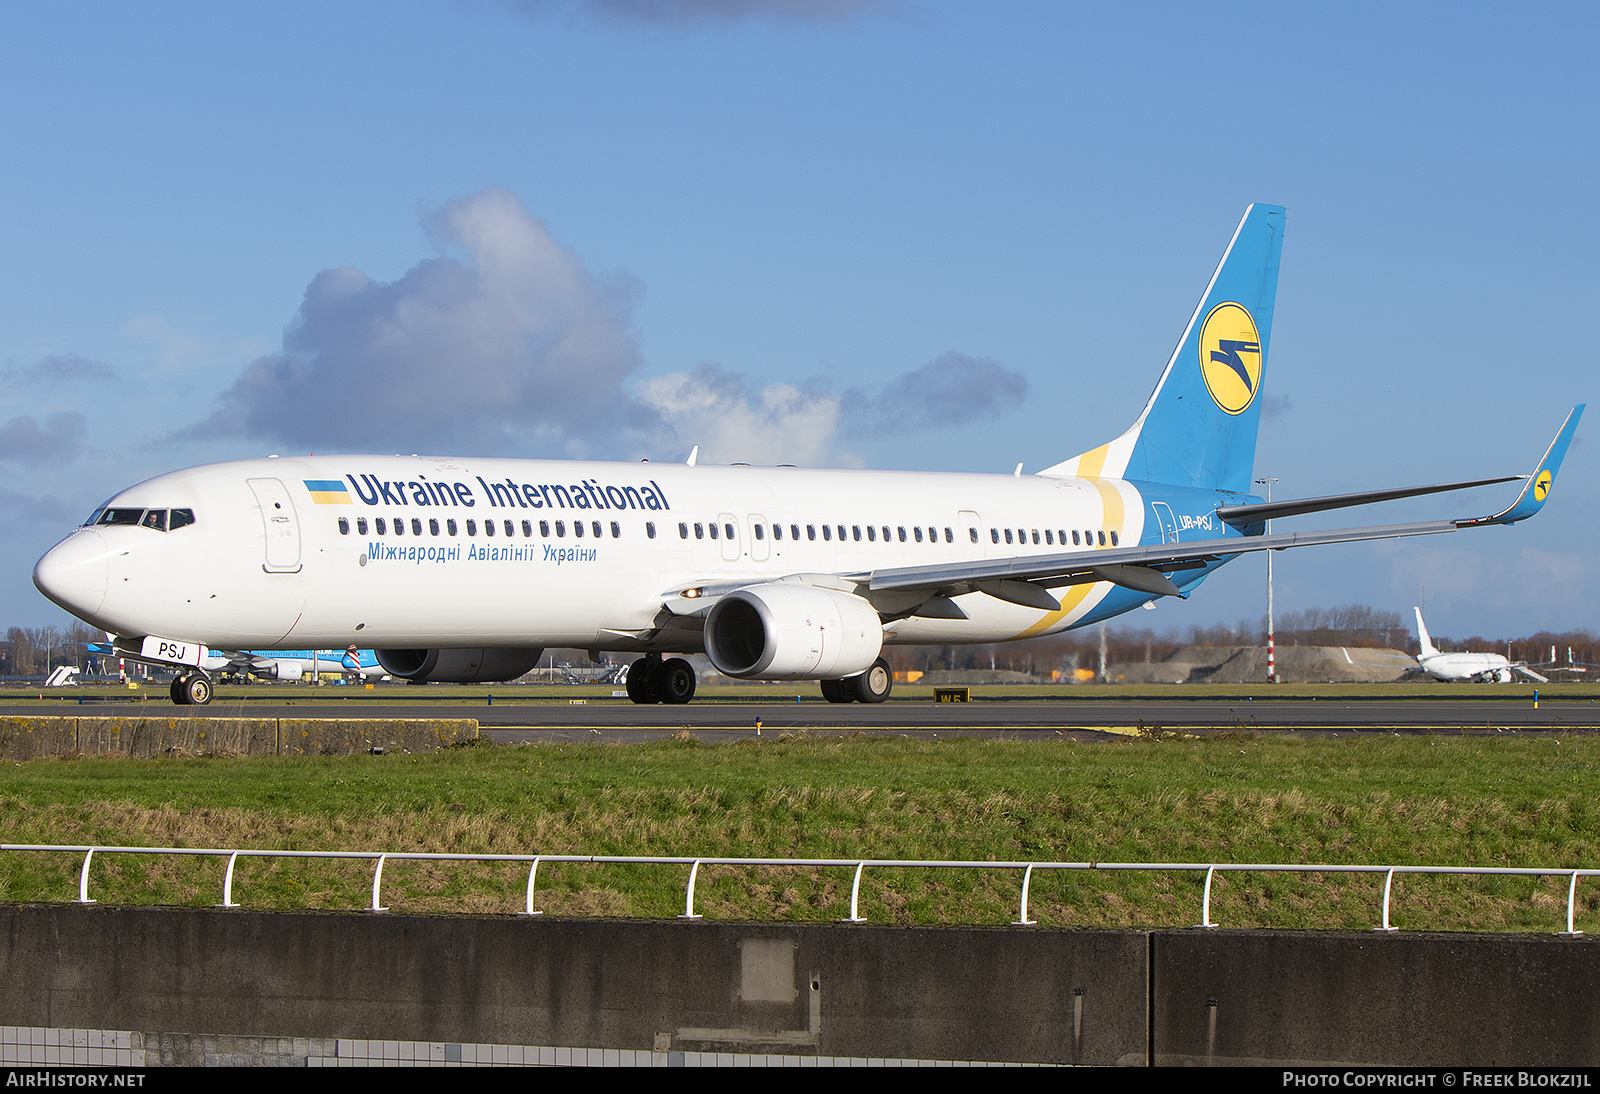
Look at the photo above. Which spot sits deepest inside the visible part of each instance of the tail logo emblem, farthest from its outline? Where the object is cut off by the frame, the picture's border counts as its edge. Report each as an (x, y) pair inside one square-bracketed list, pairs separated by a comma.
[(1541, 486), (1230, 357)]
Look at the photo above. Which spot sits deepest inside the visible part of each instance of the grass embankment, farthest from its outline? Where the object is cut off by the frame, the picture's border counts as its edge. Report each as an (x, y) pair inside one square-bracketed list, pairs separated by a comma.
[(1235, 798)]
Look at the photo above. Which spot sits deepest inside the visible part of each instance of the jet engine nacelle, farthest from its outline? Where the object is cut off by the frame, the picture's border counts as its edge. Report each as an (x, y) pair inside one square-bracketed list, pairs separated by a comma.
[(479, 666), (280, 670), (792, 632)]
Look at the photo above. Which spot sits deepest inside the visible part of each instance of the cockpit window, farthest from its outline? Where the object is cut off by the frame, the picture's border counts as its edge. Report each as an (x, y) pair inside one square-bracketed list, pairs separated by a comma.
[(161, 520)]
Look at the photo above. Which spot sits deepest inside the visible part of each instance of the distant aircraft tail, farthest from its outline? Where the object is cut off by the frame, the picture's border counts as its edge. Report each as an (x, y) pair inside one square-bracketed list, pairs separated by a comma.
[(1422, 636), (1199, 427)]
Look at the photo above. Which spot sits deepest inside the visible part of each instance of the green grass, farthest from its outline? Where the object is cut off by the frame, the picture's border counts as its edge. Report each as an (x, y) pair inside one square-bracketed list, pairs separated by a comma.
[(1502, 801)]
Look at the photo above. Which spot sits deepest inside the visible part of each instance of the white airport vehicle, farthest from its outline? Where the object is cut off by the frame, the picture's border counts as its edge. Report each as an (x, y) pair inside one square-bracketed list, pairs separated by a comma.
[(462, 570), (1480, 668)]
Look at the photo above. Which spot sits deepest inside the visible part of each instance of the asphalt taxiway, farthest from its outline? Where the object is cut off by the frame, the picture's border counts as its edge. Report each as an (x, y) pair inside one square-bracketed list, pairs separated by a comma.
[(719, 719)]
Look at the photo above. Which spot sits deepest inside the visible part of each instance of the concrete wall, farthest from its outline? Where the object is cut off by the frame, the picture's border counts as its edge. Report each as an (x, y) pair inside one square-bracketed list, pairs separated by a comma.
[(30, 737), (1279, 997), (839, 990)]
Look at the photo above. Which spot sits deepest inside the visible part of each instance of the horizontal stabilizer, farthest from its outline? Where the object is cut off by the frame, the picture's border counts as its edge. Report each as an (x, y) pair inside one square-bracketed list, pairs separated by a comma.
[(1239, 515)]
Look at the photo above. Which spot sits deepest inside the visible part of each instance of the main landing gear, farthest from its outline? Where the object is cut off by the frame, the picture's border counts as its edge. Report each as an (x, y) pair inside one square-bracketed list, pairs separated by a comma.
[(191, 689), (872, 686), (652, 680)]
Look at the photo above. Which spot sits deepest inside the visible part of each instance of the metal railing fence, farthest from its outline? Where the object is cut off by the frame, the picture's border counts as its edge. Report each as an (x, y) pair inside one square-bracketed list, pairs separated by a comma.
[(858, 865)]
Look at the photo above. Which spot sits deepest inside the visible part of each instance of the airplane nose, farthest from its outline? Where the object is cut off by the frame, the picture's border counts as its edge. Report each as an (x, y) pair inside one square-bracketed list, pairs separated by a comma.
[(75, 572)]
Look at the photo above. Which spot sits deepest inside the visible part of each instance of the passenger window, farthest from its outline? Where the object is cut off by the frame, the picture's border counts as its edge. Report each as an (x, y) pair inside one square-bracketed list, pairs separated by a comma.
[(472, 527), (1008, 535), (1113, 539), (433, 526), (902, 532), (994, 535), (544, 528), (399, 527), (1102, 538), (527, 529), (381, 526), (699, 530), (856, 529), (1075, 537), (561, 529), (827, 532), (450, 527), (577, 528), (616, 530), (777, 532), (488, 527), (361, 523), (182, 518), (1049, 538), (872, 534), (714, 531), (757, 529), (917, 531), (511, 529), (886, 534), (1036, 537), (794, 532), (727, 530), (811, 531), (416, 526), (650, 529), (683, 530), (594, 526), (344, 526), (841, 533)]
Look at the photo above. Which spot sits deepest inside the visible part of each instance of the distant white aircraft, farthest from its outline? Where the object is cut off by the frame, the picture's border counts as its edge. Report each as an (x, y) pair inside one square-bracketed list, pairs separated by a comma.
[(463, 570), (1480, 668)]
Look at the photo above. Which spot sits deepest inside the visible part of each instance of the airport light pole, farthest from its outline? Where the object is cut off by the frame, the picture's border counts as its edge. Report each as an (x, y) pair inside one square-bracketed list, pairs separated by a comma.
[(1272, 668)]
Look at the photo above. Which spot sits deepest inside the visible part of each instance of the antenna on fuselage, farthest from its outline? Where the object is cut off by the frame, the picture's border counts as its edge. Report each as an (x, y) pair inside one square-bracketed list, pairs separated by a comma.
[(694, 454)]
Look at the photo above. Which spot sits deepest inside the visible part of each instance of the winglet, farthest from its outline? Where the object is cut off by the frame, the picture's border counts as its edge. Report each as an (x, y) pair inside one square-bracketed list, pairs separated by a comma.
[(1537, 489)]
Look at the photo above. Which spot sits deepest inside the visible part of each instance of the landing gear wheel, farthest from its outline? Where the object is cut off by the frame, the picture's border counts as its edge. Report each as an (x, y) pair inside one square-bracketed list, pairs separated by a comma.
[(874, 685), (675, 682), (837, 691), (191, 689), (643, 681)]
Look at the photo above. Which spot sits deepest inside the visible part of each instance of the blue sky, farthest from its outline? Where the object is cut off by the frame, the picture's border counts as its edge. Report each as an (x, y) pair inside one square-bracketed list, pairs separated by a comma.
[(912, 234)]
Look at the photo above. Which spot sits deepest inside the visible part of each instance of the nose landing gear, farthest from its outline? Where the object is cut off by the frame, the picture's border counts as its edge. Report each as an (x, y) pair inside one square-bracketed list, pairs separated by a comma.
[(191, 689)]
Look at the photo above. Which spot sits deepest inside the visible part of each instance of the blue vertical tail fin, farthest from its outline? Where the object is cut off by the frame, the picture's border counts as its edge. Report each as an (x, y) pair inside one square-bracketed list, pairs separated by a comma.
[(1199, 427)]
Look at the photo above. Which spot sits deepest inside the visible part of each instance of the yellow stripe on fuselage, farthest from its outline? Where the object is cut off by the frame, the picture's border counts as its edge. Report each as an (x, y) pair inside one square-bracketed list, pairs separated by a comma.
[(1112, 511)]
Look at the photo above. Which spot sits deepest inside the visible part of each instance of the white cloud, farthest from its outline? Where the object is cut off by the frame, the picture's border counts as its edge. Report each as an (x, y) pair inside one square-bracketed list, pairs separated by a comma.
[(511, 346), (716, 410)]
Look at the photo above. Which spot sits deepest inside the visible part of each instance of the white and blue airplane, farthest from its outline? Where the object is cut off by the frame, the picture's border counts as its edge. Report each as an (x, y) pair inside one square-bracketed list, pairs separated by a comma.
[(465, 569)]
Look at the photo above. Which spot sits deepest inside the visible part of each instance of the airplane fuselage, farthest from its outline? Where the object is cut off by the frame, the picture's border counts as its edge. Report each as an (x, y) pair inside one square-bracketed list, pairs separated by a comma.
[(411, 551)]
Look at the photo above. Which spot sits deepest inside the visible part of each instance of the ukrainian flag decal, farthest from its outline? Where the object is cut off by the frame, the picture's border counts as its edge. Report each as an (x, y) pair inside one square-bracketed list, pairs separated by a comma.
[(1230, 357), (327, 491)]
